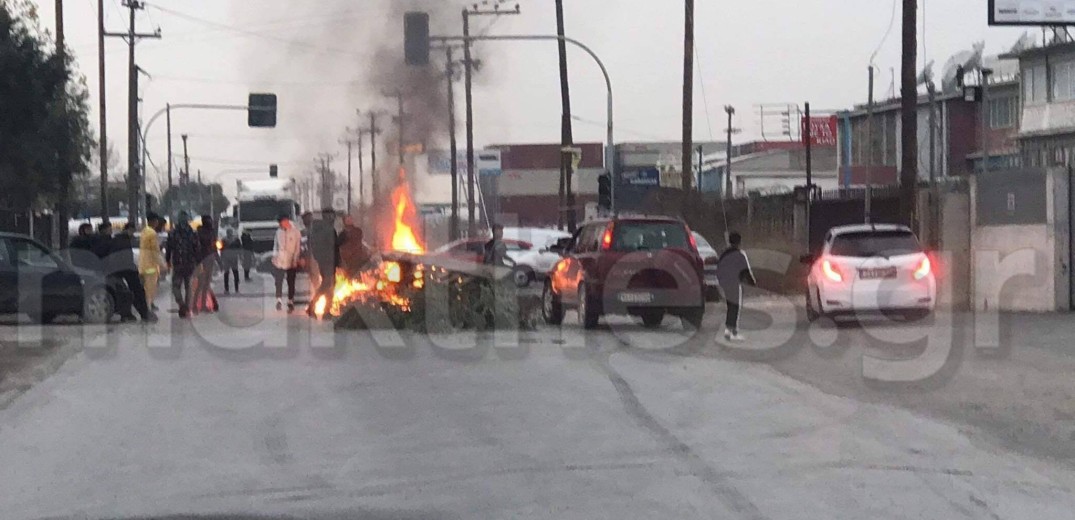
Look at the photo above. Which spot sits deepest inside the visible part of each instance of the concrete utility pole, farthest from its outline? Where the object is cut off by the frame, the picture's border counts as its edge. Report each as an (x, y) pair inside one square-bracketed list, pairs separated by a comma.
[(133, 174), (728, 160), (449, 74), (59, 239), (567, 195), (869, 150), (103, 150), (168, 118), (472, 225), (935, 199), (807, 137), (985, 73), (909, 114), (349, 142), (398, 95), (688, 92), (184, 176)]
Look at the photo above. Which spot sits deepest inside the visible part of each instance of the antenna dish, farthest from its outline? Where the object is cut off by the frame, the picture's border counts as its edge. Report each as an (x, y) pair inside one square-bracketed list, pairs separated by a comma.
[(926, 76), (1023, 43)]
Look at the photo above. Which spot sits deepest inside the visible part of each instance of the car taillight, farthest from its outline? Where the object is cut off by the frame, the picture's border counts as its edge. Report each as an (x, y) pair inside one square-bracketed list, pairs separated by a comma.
[(694, 242), (831, 271), (924, 268), (606, 240)]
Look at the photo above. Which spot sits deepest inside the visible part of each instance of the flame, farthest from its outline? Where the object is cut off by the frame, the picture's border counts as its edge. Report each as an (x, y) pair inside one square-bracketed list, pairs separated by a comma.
[(320, 307), (406, 216)]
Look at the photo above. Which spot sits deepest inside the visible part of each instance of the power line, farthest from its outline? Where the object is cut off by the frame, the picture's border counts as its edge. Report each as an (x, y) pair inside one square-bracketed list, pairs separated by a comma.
[(701, 84)]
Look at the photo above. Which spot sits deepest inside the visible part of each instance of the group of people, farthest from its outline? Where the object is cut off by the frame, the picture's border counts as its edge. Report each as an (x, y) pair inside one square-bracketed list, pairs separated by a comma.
[(112, 254), (323, 251)]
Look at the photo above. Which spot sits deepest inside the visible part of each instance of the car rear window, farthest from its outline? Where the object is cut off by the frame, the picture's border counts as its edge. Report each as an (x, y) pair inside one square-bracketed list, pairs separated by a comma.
[(648, 236), (867, 244)]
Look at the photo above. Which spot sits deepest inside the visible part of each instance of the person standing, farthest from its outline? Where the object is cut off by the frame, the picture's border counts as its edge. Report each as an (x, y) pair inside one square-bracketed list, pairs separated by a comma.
[(733, 270), (150, 260), (230, 258), (248, 254), (354, 255), (307, 261), (496, 251), (82, 249), (286, 248), (324, 247), (204, 298), (182, 258), (121, 264)]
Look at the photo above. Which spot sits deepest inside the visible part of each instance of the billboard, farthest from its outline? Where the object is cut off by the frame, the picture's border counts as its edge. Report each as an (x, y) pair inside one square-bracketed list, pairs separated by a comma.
[(822, 130), (440, 162), (647, 177), (1031, 12), (488, 163)]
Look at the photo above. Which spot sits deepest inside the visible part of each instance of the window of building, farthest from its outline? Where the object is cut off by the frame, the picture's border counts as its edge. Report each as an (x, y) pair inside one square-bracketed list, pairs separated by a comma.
[(1034, 84), (1003, 112), (1063, 85)]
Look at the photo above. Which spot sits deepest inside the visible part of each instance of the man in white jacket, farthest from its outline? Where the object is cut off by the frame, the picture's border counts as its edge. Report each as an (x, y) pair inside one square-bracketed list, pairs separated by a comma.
[(286, 248)]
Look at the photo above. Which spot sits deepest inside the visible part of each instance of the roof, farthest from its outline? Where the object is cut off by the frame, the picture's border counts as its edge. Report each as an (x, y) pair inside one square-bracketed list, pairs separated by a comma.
[(1035, 52), (858, 228)]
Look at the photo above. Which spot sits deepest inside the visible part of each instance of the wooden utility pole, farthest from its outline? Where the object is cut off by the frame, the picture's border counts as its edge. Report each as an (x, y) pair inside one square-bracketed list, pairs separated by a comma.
[(567, 195), (688, 94), (103, 150), (909, 114), (59, 235), (168, 118)]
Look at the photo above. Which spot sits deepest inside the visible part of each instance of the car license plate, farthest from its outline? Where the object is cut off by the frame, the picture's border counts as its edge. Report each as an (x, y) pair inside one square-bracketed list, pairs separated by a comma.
[(636, 297), (878, 273)]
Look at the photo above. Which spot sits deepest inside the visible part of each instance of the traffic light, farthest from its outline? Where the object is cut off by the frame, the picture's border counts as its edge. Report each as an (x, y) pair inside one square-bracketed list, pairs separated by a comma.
[(604, 191), (273, 171), (416, 38), (261, 111)]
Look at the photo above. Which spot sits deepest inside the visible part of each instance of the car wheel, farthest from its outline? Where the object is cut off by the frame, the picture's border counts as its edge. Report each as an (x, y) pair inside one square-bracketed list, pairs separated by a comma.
[(812, 314), (588, 315), (98, 307), (652, 318), (552, 310), (522, 276)]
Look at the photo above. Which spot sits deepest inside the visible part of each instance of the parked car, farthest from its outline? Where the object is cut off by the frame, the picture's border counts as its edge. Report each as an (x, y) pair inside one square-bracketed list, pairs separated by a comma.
[(640, 266), (540, 259), (709, 261), (868, 268), (36, 281)]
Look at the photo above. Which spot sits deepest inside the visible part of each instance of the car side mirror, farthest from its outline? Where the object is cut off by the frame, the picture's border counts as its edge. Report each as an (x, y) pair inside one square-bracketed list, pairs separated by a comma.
[(807, 259)]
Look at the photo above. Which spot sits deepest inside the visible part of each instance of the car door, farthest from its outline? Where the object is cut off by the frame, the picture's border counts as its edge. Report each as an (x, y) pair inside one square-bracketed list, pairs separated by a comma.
[(582, 256), (42, 278), (9, 279), (565, 273)]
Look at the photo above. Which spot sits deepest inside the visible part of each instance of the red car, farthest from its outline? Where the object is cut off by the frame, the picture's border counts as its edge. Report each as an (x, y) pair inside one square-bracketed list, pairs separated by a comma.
[(639, 266)]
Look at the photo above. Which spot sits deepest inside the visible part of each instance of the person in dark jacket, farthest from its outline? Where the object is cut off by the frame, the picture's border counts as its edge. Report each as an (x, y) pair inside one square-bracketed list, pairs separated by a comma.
[(354, 255), (209, 257), (733, 270), (102, 246), (324, 244), (496, 251), (82, 249), (248, 254), (182, 256), (121, 265), (230, 257)]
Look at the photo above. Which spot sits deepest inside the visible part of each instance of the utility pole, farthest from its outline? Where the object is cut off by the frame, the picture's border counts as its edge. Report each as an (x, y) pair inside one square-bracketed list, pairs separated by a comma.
[(133, 174), (59, 239), (347, 140), (168, 118), (985, 73), (374, 185), (688, 92), (728, 160), (184, 177), (807, 137), (472, 225), (103, 150), (935, 199), (399, 120), (701, 159), (567, 195), (449, 74), (909, 114), (869, 150)]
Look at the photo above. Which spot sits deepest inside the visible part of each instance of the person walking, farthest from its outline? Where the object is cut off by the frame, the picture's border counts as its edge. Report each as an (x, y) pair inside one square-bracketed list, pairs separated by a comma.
[(325, 249), (230, 257), (248, 253), (733, 270), (286, 248), (150, 259), (204, 298), (182, 256), (121, 264)]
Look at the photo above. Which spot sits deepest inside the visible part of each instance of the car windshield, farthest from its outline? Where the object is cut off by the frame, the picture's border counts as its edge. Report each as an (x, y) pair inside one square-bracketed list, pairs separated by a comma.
[(647, 236), (868, 244)]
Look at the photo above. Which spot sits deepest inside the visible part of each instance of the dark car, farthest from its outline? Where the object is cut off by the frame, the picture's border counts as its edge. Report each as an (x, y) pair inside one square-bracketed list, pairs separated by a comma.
[(640, 266), (37, 282)]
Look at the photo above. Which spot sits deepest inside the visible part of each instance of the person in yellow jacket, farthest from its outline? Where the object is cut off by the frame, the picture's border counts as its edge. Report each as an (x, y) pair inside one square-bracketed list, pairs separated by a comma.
[(150, 260)]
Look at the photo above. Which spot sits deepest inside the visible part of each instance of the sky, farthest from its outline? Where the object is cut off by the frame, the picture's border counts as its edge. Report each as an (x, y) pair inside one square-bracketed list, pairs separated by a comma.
[(325, 60)]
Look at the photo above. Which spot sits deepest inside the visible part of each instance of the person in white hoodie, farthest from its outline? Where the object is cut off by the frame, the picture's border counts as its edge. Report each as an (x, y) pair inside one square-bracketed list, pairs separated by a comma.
[(286, 248)]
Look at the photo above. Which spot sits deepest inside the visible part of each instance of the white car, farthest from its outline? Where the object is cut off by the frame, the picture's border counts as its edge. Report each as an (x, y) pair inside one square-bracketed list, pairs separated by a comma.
[(539, 259), (709, 261), (869, 269)]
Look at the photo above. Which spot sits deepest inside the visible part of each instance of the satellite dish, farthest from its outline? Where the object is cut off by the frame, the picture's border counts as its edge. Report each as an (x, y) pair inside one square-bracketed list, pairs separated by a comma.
[(926, 76), (1023, 43), (970, 60)]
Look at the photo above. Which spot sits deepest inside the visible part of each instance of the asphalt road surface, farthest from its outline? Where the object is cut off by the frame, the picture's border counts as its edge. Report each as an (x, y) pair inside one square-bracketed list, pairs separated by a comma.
[(253, 412)]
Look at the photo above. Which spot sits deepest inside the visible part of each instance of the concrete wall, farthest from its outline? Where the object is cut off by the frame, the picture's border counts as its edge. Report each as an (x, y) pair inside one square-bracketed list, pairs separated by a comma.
[(1023, 267)]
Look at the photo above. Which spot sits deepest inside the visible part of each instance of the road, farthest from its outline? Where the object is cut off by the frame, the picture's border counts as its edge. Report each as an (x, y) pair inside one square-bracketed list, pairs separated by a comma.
[(186, 417)]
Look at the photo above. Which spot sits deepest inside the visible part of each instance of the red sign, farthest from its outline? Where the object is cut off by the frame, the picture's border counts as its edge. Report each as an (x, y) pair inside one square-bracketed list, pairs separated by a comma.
[(822, 131)]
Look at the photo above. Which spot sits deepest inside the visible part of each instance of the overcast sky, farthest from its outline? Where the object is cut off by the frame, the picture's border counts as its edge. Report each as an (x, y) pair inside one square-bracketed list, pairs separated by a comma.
[(317, 57)]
